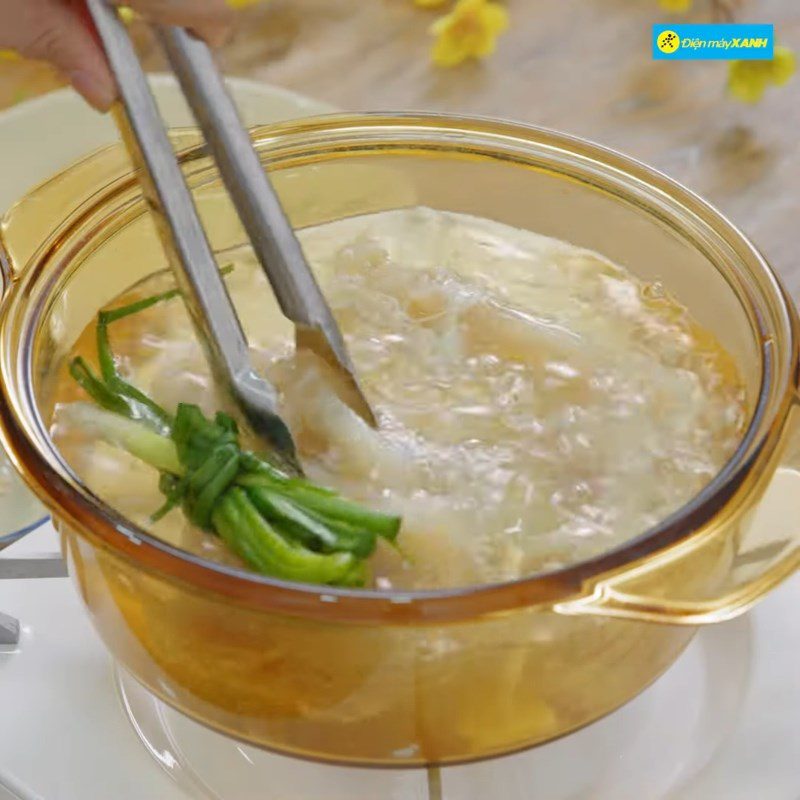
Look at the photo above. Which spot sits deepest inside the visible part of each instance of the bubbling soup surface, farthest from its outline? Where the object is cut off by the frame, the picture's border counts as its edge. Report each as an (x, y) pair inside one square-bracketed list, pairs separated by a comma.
[(538, 404)]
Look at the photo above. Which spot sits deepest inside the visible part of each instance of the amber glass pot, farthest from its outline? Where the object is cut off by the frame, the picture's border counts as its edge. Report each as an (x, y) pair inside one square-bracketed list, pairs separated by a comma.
[(405, 678)]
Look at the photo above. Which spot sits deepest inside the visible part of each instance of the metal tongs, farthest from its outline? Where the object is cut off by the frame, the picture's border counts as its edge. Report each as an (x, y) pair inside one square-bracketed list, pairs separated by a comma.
[(185, 241)]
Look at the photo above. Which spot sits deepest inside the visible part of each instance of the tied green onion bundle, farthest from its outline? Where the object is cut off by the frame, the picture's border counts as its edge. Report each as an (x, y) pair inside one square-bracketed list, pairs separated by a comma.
[(279, 524)]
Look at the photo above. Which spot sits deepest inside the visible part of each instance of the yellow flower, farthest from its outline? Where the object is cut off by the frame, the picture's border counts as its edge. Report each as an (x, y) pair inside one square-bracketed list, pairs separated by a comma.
[(783, 65), (470, 30), (748, 80), (429, 3), (242, 3), (126, 14), (9, 55), (676, 6)]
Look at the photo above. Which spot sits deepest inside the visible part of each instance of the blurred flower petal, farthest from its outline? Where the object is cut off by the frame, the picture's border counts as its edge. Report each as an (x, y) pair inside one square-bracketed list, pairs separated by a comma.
[(470, 30), (783, 64), (676, 6), (748, 80)]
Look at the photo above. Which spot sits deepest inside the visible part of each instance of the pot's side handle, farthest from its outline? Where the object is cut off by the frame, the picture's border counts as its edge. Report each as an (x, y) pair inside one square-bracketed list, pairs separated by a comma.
[(721, 571), (35, 220)]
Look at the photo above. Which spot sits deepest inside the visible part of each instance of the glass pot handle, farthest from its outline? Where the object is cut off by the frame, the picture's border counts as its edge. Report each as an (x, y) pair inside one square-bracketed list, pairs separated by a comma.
[(44, 565), (35, 220), (724, 569), (30, 224)]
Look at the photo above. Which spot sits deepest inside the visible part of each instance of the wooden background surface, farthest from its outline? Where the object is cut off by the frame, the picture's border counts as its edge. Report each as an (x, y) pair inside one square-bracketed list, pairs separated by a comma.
[(582, 66)]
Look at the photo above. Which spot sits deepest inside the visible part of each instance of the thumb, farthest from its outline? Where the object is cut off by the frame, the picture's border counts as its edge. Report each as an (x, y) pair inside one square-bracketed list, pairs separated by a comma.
[(55, 31)]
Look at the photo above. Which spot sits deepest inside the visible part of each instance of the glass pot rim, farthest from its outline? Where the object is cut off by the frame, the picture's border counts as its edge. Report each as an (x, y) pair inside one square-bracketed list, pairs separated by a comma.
[(327, 137)]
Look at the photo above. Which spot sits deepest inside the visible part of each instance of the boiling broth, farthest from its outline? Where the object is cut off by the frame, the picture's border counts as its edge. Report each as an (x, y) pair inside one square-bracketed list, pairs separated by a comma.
[(538, 404)]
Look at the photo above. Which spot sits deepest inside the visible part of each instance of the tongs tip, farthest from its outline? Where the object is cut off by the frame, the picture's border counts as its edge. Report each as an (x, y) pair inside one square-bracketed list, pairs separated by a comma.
[(316, 341)]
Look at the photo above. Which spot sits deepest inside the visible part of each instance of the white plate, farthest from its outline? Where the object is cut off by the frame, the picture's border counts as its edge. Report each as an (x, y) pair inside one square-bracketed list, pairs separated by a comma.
[(721, 724)]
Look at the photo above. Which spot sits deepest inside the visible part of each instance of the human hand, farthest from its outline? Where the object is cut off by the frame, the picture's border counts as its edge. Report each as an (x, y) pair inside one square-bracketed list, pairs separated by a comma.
[(61, 32)]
